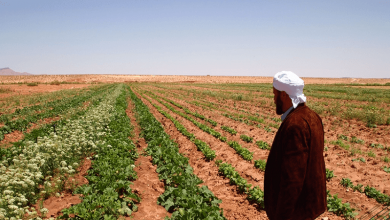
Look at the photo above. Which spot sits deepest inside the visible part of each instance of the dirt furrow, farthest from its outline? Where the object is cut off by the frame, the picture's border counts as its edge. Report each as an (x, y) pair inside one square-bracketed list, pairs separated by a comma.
[(222, 150), (234, 204), (337, 159), (19, 135), (148, 185), (254, 132), (357, 200), (207, 171)]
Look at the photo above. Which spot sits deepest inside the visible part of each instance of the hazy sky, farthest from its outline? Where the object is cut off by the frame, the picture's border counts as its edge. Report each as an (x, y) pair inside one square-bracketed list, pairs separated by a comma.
[(328, 38)]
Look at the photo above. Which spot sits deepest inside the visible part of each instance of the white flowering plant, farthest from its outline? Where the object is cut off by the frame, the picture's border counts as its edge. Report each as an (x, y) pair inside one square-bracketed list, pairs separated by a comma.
[(24, 167), (109, 193)]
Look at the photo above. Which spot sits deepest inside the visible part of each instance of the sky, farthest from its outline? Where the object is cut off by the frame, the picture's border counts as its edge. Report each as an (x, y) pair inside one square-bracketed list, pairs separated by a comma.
[(324, 38)]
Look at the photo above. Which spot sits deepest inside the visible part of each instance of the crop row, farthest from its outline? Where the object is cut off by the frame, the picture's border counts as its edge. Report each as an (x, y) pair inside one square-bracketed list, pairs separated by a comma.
[(35, 134), (109, 193), (200, 116), (248, 118), (262, 145), (8, 104), (245, 138), (182, 194), (243, 152), (255, 194), (195, 114), (23, 123), (334, 203), (370, 192), (202, 146), (204, 127), (33, 166), (44, 105)]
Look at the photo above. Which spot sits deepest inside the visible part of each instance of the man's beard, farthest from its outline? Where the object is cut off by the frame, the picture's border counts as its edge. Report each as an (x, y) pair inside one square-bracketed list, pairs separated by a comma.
[(279, 105)]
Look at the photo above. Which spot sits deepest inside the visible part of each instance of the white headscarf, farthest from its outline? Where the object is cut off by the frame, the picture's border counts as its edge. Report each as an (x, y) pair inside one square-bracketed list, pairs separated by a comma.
[(293, 85)]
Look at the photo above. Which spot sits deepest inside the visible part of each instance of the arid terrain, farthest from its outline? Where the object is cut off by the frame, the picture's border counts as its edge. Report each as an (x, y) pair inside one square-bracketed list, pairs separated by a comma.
[(173, 79), (214, 110)]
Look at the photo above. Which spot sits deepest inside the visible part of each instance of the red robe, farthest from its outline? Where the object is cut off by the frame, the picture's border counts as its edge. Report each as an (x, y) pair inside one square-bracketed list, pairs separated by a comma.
[(295, 180)]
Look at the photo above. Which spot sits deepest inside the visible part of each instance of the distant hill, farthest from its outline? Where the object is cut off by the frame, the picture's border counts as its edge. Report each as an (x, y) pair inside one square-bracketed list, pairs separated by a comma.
[(8, 72)]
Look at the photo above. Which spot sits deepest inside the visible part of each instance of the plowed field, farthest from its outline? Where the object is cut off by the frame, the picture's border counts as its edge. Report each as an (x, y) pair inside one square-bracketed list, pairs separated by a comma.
[(347, 141), (216, 135)]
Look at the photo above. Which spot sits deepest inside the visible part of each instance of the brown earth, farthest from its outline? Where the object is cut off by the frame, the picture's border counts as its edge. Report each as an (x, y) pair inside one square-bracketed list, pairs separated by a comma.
[(333, 124), (67, 199), (19, 135), (371, 174), (147, 185), (234, 204), (184, 79), (23, 89)]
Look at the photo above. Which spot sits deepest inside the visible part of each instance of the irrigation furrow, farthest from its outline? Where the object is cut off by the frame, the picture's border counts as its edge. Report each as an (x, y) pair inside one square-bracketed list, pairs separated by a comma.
[(148, 186), (336, 188), (222, 150), (234, 204), (183, 197)]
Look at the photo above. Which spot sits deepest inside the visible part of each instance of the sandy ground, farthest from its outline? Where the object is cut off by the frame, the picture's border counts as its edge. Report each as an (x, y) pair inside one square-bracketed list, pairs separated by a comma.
[(234, 203), (337, 159), (188, 79), (23, 89)]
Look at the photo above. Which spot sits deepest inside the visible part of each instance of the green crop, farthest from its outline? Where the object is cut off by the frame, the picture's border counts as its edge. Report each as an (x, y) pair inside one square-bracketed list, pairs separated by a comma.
[(183, 196), (263, 145), (243, 152), (228, 129), (329, 174), (335, 205), (246, 138), (260, 164), (254, 194)]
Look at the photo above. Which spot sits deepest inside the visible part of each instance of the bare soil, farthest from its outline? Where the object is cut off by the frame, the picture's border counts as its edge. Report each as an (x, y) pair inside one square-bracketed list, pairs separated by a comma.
[(23, 89), (336, 158), (147, 185), (67, 199), (19, 135), (234, 204), (184, 79)]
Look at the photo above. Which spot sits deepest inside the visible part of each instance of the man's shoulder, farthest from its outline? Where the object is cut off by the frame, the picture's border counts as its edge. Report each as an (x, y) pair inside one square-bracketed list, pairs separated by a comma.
[(303, 115)]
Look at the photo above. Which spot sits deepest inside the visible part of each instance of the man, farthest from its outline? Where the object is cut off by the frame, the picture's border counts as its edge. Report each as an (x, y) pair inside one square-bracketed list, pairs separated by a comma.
[(295, 180)]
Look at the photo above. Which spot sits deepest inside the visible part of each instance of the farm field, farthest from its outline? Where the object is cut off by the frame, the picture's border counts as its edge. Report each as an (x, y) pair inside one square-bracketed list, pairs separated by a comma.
[(182, 148)]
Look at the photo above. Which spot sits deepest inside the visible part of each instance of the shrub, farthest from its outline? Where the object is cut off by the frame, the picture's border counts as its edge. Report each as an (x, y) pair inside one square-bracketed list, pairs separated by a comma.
[(5, 90), (32, 84), (56, 82)]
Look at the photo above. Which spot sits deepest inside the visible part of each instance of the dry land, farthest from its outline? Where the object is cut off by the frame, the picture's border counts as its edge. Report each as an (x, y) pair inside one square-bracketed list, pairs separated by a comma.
[(219, 131)]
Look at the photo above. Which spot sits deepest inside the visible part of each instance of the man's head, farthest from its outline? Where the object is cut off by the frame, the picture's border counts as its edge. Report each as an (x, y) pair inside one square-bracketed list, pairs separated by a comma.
[(282, 101), (288, 91)]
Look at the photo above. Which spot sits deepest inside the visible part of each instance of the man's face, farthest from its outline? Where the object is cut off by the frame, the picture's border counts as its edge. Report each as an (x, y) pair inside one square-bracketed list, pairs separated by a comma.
[(278, 102)]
